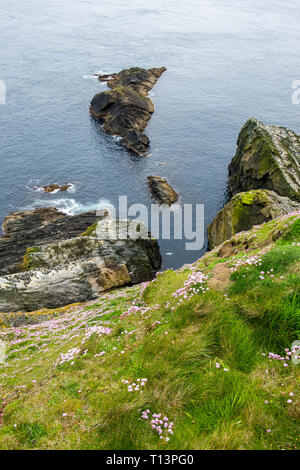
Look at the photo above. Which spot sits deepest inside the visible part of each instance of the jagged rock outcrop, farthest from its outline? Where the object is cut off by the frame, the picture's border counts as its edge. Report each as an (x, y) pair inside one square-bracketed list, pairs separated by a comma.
[(257, 238), (78, 269), (245, 210), (33, 228), (264, 177), (50, 188), (268, 157), (126, 109), (161, 191)]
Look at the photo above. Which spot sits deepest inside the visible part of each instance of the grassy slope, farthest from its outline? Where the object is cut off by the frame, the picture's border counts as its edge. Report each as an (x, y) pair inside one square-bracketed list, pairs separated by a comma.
[(182, 346)]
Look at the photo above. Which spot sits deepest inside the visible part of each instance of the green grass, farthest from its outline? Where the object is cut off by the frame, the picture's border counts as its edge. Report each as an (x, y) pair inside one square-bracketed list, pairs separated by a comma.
[(205, 360)]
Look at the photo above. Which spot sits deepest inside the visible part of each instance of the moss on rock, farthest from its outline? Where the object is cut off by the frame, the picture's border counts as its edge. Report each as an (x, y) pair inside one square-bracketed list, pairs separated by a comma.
[(267, 157), (245, 210)]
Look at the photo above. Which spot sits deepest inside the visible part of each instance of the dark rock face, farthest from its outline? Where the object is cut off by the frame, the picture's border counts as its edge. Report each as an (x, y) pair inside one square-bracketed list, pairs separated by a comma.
[(264, 177), (34, 228), (244, 211), (21, 318), (161, 191), (268, 157), (126, 109), (78, 269)]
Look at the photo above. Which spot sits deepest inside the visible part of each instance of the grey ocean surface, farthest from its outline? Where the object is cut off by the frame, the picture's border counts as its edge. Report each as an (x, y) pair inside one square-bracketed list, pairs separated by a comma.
[(227, 60)]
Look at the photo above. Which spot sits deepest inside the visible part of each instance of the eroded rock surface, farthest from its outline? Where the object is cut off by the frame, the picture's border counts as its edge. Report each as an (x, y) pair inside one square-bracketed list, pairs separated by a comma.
[(245, 210), (126, 109), (33, 228), (77, 270), (161, 191), (268, 157)]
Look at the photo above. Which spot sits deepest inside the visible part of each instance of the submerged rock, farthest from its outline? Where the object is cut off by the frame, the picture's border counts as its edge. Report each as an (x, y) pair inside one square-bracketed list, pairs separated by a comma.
[(126, 109), (161, 191), (77, 270), (245, 210), (34, 228), (267, 157)]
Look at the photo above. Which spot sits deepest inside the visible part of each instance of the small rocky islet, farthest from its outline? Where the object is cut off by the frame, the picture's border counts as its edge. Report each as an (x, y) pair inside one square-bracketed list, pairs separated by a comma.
[(49, 259), (72, 375), (126, 109)]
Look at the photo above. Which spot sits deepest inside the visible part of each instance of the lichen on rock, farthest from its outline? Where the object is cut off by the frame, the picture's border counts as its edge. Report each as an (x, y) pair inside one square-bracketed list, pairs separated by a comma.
[(76, 270), (27, 229), (53, 187)]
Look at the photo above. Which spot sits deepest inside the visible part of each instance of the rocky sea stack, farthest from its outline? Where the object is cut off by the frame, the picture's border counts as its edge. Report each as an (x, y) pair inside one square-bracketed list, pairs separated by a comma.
[(126, 109), (34, 228), (264, 178)]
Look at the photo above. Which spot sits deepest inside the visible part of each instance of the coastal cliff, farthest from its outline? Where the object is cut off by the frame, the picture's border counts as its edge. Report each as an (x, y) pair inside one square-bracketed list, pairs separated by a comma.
[(126, 109), (244, 210)]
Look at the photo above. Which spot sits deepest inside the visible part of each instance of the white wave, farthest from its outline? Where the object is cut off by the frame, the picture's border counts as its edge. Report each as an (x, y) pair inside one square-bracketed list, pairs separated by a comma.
[(70, 206)]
